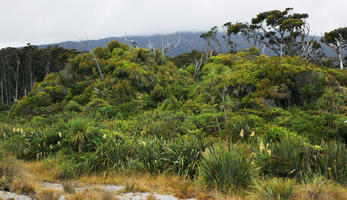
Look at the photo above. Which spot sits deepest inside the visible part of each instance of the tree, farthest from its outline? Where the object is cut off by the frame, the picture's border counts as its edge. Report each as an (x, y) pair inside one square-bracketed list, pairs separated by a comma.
[(211, 40), (80, 133), (283, 32), (165, 46), (337, 40)]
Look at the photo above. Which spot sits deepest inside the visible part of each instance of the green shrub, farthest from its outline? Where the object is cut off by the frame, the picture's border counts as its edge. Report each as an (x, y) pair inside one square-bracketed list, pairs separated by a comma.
[(79, 128), (226, 168), (183, 154), (113, 152), (109, 111), (291, 157), (275, 189), (333, 161), (149, 155), (16, 146), (73, 106), (272, 133)]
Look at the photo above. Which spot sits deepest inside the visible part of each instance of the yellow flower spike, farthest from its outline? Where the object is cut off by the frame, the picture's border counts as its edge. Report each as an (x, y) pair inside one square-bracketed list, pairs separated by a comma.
[(242, 132), (60, 135), (252, 134), (104, 136), (269, 151), (261, 146)]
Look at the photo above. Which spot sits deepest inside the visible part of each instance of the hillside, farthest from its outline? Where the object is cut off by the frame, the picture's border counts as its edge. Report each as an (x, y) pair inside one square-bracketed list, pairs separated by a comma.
[(258, 121)]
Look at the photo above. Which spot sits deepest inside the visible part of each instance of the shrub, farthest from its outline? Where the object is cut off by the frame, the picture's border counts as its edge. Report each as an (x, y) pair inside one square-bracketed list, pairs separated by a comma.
[(108, 111), (183, 154), (226, 168), (275, 189), (113, 152), (333, 161), (79, 130), (73, 106), (272, 134), (291, 157), (148, 155)]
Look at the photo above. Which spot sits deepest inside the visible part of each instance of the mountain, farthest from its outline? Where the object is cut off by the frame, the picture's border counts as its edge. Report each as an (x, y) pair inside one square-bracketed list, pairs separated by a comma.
[(189, 41)]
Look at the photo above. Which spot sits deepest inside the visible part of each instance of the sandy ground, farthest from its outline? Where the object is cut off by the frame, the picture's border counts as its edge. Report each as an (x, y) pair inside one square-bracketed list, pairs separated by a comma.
[(107, 188)]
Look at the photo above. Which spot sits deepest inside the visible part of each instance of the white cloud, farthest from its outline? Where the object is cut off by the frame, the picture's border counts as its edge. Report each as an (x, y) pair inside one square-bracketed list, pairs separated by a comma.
[(47, 21)]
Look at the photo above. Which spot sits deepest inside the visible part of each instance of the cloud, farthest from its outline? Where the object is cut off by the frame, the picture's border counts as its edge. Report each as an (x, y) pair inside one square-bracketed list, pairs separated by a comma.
[(42, 21)]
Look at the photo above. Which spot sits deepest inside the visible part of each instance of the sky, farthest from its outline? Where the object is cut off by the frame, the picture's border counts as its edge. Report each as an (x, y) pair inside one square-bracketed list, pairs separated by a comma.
[(52, 21)]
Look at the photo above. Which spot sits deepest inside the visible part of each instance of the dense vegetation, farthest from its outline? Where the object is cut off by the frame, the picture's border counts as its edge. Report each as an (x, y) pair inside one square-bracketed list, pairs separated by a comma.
[(240, 118), (21, 68)]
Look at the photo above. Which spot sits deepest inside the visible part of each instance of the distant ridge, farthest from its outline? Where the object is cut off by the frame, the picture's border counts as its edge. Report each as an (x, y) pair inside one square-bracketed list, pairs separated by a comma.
[(189, 41)]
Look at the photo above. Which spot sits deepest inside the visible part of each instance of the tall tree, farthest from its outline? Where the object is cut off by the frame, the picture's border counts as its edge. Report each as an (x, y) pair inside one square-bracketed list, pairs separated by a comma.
[(283, 32), (337, 40), (211, 40)]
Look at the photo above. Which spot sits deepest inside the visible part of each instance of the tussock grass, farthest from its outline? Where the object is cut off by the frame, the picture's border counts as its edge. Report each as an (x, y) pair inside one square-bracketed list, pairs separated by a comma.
[(226, 168), (275, 189), (69, 187), (92, 195), (13, 175), (48, 194), (319, 188)]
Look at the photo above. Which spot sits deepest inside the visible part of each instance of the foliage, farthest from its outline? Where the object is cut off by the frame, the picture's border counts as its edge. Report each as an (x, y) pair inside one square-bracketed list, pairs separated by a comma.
[(226, 168), (333, 161), (275, 189)]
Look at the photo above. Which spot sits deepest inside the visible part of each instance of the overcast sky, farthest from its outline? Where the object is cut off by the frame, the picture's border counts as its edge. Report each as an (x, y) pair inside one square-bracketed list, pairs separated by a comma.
[(50, 21)]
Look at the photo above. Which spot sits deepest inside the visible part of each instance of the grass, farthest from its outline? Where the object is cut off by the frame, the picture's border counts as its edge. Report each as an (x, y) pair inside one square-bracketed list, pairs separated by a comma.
[(226, 168), (275, 189), (319, 188), (69, 187), (92, 195), (13, 176), (48, 194)]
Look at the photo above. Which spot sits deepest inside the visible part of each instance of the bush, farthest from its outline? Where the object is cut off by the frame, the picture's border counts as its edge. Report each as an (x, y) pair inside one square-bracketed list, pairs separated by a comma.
[(291, 157), (272, 134), (183, 154), (148, 155), (108, 111), (73, 106), (226, 168), (275, 189), (333, 161)]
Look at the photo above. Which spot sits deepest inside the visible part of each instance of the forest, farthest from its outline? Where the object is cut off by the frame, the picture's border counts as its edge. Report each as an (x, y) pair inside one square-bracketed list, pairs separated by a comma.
[(202, 125)]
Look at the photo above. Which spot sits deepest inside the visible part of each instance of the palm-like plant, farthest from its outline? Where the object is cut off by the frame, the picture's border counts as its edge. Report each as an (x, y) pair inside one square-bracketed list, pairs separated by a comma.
[(80, 133)]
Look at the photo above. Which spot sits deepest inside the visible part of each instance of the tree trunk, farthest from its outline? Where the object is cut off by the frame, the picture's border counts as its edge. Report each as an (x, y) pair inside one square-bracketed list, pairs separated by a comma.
[(340, 58), (338, 52), (222, 94), (17, 76), (215, 113), (80, 145), (48, 64), (2, 91)]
